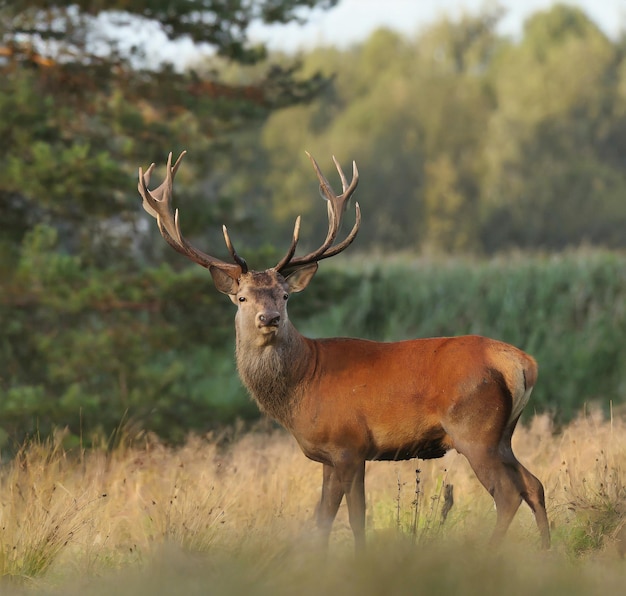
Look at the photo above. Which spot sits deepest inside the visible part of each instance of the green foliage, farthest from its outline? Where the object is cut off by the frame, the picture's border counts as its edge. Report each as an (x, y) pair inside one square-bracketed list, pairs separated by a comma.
[(91, 348), (568, 311), (92, 336), (465, 140), (79, 112)]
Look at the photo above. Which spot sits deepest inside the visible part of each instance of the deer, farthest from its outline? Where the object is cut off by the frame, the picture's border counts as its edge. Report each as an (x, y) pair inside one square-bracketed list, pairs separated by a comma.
[(347, 401)]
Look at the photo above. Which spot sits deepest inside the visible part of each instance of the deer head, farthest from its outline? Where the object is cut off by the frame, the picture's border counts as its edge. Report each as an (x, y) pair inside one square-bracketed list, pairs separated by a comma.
[(261, 296)]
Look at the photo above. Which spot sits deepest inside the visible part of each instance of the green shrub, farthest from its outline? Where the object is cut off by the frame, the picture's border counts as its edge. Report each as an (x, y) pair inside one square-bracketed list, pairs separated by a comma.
[(89, 348), (568, 311)]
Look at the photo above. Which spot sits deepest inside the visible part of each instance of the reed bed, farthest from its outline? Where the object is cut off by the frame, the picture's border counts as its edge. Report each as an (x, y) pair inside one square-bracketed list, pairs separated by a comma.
[(234, 514)]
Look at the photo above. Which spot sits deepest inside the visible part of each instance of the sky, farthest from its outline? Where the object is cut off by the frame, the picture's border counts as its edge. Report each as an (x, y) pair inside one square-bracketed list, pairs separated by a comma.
[(353, 20)]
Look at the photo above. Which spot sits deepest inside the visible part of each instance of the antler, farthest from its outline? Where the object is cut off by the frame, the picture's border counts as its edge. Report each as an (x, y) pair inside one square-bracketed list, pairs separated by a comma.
[(158, 204), (337, 205)]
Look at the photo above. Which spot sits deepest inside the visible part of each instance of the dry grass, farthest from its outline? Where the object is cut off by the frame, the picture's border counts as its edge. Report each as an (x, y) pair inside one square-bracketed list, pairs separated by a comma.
[(151, 519)]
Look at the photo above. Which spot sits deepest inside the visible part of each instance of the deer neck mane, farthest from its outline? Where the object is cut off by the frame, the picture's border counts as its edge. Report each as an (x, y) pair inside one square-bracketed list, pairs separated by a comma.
[(274, 373)]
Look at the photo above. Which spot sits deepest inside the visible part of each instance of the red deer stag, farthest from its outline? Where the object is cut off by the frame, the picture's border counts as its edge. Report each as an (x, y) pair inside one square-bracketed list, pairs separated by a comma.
[(347, 401)]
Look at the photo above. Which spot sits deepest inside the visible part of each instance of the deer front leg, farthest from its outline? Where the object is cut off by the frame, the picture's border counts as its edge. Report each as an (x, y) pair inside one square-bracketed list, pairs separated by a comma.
[(352, 476), (332, 493)]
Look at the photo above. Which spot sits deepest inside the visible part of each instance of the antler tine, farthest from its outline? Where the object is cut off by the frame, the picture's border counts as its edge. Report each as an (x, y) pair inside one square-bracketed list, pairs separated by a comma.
[(231, 249), (337, 205), (142, 186), (292, 249), (325, 187), (158, 204), (344, 182), (331, 252)]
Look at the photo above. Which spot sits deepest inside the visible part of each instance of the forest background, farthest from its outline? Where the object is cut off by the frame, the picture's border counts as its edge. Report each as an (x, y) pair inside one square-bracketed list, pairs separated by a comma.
[(492, 187)]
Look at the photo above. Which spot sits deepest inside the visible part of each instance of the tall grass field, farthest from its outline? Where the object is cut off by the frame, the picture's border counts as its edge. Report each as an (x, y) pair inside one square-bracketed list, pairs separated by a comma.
[(234, 515)]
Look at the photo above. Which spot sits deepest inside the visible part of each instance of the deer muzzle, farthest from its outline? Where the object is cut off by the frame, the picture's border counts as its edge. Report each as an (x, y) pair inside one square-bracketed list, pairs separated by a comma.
[(267, 320)]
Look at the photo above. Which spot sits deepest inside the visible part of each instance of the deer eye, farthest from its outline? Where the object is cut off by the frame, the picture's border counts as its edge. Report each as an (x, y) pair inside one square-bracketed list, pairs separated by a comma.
[(285, 296), (242, 298)]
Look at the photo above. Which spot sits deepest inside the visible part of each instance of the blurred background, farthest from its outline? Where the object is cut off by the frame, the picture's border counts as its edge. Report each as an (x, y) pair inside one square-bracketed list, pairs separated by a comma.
[(491, 142)]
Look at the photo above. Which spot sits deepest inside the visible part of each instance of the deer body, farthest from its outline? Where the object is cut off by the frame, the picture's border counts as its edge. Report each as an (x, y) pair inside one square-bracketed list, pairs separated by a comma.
[(347, 400), (335, 407), (402, 415)]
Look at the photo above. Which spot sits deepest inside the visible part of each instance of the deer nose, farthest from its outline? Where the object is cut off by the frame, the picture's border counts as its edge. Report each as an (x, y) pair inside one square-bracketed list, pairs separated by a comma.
[(268, 319)]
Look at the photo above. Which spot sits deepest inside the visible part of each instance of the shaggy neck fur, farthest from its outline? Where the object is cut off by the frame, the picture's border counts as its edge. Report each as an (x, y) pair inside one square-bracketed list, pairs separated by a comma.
[(273, 373)]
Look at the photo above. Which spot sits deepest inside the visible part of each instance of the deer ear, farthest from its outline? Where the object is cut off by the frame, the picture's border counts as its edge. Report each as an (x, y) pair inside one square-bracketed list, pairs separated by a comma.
[(223, 282), (300, 278)]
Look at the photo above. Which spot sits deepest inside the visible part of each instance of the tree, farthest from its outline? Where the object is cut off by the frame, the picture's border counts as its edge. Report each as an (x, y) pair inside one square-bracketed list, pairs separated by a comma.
[(413, 114), (91, 335), (80, 110), (466, 142), (554, 166)]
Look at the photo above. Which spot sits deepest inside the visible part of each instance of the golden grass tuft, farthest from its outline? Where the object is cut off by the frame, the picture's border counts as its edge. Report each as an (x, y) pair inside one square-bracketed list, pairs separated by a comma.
[(238, 517)]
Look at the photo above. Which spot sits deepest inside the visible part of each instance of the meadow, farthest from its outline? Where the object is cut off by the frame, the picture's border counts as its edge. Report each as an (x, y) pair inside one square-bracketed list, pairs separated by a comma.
[(233, 513)]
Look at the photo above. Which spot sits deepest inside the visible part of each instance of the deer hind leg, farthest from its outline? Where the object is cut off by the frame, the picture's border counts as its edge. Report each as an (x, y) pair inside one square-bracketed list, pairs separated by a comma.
[(531, 490), (332, 493), (509, 482), (534, 496), (497, 477)]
